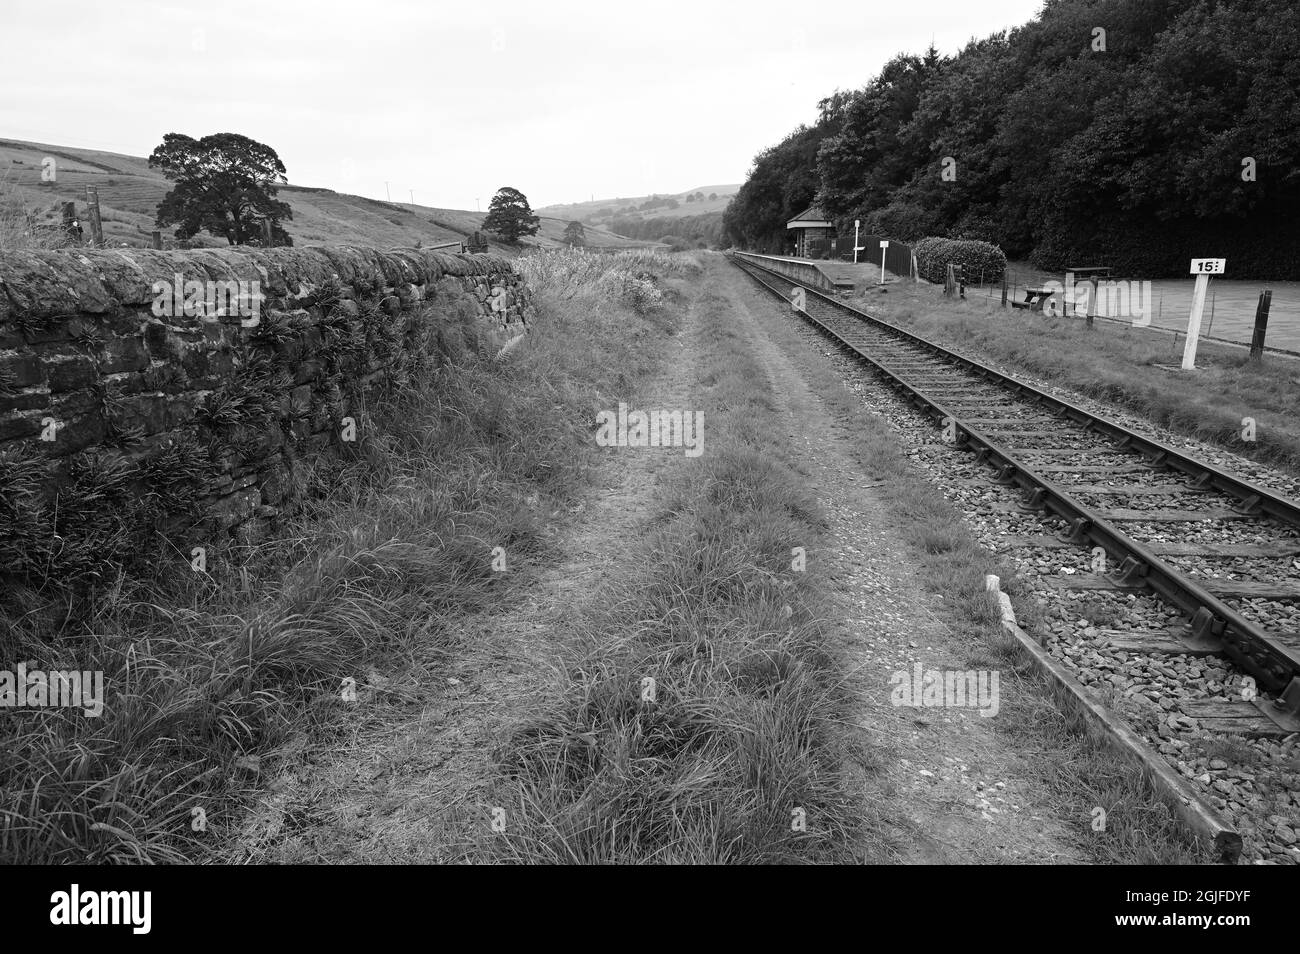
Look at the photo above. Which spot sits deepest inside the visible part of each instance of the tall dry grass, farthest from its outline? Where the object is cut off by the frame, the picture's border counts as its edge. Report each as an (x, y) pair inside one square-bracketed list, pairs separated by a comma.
[(26, 224)]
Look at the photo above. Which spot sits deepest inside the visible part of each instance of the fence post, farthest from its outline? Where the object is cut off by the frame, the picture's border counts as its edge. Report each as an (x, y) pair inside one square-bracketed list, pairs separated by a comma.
[(266, 233), (1261, 324), (157, 239), (96, 224), (1004, 288)]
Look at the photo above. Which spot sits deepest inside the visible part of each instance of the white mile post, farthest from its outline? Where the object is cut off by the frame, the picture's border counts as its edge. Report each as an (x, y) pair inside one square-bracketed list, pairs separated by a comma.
[(884, 244), (857, 224), (1202, 268)]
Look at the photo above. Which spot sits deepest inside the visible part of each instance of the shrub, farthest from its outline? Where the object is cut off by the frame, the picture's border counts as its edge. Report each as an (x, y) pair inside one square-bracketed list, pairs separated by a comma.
[(978, 259)]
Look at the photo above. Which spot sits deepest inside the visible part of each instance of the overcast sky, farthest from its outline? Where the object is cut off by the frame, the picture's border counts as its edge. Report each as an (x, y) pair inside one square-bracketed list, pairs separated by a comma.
[(560, 99)]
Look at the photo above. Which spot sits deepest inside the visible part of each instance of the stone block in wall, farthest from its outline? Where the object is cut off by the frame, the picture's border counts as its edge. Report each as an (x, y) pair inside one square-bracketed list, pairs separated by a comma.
[(155, 413), (20, 424), (122, 354), (70, 373), (76, 433), (24, 401), (20, 370)]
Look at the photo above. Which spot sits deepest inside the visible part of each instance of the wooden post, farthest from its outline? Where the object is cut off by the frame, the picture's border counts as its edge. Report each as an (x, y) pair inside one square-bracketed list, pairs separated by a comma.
[(96, 224), (1194, 322), (1202, 268), (1092, 304), (1261, 324), (266, 233), (157, 239), (1004, 288)]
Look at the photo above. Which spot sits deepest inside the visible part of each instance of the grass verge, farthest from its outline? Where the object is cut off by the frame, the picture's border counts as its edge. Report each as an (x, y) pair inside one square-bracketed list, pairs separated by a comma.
[(700, 723)]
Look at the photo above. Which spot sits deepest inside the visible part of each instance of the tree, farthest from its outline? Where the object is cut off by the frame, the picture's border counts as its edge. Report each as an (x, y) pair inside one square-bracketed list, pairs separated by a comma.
[(225, 185), (575, 234), (510, 216)]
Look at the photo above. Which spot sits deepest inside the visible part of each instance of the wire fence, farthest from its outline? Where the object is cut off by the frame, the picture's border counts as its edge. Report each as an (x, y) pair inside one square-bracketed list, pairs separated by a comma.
[(1229, 312)]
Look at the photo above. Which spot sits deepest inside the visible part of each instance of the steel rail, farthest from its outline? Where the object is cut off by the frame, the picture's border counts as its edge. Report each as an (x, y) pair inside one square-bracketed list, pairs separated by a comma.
[(1255, 499), (1272, 664)]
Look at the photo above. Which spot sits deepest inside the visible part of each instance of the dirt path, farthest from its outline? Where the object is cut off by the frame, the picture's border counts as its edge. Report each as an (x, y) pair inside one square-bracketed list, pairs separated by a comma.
[(410, 783), (949, 790)]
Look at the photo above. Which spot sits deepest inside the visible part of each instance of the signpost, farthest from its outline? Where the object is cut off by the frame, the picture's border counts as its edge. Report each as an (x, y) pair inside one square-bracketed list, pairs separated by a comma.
[(857, 224), (884, 244), (1202, 268)]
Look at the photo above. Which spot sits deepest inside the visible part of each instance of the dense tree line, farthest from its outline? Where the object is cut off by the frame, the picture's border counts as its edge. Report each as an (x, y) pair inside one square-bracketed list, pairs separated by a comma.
[(705, 227), (1133, 133)]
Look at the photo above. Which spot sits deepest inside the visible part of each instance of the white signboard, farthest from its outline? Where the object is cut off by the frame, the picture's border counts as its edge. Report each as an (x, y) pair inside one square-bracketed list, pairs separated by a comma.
[(884, 243), (1202, 268)]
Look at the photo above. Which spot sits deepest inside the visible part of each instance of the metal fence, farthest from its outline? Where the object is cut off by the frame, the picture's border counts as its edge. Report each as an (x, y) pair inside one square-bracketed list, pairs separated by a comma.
[(898, 255)]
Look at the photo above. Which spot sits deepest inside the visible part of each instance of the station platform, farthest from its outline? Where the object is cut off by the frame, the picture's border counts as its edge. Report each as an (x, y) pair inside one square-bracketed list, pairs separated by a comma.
[(843, 276)]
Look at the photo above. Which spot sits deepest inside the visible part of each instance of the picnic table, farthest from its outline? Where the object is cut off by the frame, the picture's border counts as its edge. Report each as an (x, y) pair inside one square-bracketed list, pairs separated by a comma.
[(1035, 298)]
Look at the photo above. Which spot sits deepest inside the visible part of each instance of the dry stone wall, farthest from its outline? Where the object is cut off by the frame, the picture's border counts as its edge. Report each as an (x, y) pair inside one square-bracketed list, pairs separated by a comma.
[(206, 382)]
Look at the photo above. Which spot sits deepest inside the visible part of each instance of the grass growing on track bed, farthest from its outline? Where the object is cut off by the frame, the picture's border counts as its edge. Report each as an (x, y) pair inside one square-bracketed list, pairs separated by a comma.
[(741, 735), (1117, 364), (204, 678)]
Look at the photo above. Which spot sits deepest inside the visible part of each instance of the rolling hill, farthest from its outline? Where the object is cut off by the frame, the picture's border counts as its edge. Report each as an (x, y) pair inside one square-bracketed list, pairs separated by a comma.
[(603, 209), (129, 193)]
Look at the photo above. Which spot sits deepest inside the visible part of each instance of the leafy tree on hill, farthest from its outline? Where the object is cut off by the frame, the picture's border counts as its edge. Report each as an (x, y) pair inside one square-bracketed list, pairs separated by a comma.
[(575, 234), (510, 216), (225, 185)]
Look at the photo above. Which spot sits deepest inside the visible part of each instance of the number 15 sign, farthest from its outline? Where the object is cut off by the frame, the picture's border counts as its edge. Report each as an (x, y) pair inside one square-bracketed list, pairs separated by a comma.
[(1202, 268)]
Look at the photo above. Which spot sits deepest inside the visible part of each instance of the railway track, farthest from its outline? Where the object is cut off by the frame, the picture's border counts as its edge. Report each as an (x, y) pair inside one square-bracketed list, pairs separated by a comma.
[(1131, 518)]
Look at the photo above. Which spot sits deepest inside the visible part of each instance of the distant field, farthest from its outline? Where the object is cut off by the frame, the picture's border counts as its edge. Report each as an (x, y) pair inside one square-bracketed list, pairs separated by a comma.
[(602, 208), (129, 192)]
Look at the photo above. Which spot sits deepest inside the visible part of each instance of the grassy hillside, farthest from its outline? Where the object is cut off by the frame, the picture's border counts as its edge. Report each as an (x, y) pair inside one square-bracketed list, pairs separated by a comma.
[(129, 192), (603, 209)]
